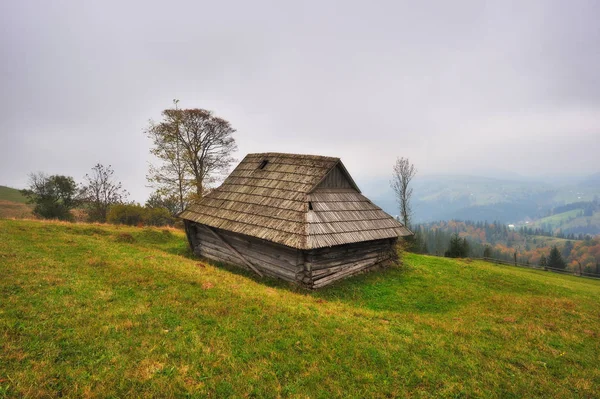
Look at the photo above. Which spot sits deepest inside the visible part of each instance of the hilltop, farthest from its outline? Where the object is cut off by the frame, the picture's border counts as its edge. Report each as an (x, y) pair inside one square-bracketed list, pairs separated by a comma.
[(97, 311)]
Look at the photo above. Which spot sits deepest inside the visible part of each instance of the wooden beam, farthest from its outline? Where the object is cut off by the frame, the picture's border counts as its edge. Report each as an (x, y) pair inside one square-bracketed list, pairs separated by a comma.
[(189, 232), (232, 249)]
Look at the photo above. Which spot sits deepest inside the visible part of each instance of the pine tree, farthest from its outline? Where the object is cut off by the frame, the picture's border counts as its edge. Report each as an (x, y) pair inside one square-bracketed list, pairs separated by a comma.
[(487, 252), (458, 248), (555, 260), (543, 261)]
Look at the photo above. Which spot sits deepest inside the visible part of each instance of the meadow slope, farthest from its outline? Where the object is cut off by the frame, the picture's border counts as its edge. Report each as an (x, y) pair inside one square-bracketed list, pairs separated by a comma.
[(102, 311), (13, 204)]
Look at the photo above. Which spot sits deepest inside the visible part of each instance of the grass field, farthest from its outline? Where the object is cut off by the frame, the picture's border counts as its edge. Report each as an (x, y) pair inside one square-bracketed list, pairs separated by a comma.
[(103, 311)]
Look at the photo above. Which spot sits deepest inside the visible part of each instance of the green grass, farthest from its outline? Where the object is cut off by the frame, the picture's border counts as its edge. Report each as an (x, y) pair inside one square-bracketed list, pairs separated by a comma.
[(558, 219), (12, 195), (545, 241), (100, 311)]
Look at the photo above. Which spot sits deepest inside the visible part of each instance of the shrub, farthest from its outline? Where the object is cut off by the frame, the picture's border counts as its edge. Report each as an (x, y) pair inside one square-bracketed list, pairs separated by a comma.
[(137, 215), (129, 214), (158, 217)]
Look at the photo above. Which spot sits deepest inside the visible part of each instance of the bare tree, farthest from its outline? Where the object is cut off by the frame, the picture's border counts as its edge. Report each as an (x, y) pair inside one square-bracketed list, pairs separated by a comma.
[(194, 148), (404, 171), (169, 177), (100, 192)]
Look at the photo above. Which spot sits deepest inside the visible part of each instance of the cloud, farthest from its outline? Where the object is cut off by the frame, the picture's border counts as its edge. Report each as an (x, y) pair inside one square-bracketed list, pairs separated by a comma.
[(454, 86)]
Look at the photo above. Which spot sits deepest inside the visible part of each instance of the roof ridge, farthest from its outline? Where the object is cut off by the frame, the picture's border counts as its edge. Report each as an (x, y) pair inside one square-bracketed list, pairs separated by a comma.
[(293, 155)]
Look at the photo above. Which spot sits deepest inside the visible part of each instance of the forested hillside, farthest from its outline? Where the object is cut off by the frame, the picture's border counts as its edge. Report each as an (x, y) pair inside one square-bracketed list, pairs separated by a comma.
[(498, 241)]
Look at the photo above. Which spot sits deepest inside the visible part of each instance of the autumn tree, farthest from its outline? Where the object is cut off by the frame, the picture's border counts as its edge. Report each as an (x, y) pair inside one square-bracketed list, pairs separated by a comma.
[(193, 148), (100, 191), (54, 196), (403, 173)]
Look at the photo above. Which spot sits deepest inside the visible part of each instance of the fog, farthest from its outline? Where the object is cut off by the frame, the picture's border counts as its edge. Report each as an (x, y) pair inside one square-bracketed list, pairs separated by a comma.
[(457, 87)]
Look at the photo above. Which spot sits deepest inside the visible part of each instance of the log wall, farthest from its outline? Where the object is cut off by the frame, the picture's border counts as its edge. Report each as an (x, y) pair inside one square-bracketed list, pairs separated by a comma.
[(270, 259), (326, 265), (312, 269)]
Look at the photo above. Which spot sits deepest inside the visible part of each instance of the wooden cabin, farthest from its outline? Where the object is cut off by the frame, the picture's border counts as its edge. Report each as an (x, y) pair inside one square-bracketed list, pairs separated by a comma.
[(300, 218)]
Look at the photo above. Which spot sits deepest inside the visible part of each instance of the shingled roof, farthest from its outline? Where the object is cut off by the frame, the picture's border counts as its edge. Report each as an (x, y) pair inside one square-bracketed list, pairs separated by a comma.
[(281, 198)]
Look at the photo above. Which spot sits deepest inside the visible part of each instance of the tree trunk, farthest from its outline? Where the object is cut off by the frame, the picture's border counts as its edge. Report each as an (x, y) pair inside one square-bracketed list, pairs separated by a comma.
[(199, 188)]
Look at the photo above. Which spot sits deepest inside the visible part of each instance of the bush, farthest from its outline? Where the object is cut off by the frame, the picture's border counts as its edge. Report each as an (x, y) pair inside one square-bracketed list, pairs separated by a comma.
[(129, 214), (137, 215), (159, 217)]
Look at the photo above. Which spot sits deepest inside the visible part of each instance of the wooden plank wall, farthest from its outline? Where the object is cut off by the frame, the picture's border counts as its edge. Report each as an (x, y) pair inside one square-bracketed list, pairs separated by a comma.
[(271, 259), (335, 179), (327, 265)]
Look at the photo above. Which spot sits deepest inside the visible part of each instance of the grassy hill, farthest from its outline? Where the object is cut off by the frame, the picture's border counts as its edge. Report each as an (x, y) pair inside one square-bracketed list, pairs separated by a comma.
[(101, 311), (569, 221), (13, 204), (12, 195)]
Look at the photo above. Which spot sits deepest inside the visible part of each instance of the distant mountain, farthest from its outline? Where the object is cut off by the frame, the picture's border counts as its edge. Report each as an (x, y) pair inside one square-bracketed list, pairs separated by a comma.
[(592, 181), (445, 197)]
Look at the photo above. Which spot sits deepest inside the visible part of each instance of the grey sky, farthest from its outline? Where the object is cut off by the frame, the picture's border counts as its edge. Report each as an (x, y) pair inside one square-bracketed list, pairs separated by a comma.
[(454, 86)]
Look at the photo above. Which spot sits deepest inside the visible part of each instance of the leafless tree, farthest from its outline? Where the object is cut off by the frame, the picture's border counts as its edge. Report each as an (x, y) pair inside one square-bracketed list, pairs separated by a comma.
[(100, 191), (194, 149), (169, 177), (404, 171)]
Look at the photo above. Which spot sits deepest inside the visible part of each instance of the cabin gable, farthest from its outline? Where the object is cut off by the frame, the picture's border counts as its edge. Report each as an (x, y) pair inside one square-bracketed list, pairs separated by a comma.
[(336, 178)]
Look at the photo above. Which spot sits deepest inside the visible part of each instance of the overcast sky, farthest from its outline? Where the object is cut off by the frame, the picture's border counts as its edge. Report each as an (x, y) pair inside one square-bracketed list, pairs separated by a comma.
[(458, 87)]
